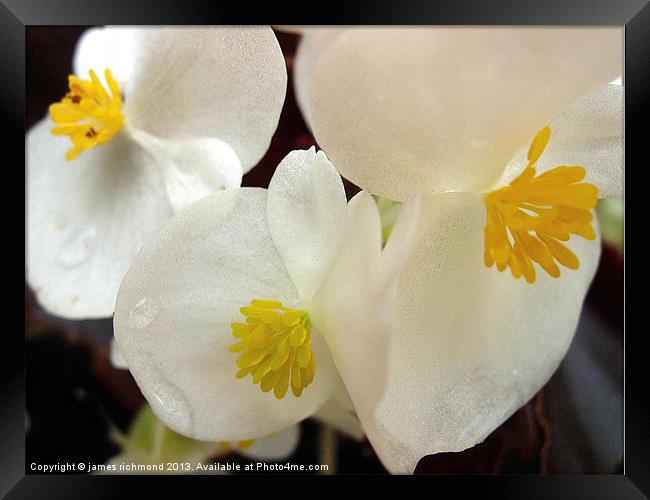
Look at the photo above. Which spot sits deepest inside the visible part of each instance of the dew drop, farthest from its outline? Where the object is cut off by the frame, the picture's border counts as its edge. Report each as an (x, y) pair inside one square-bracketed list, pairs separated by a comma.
[(142, 313), (78, 247)]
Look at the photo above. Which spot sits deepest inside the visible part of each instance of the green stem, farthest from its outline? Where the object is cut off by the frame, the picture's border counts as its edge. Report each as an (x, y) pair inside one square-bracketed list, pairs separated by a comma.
[(328, 449)]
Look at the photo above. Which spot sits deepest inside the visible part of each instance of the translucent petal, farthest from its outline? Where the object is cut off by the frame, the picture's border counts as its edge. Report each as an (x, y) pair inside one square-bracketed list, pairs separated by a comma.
[(306, 216), (116, 357), (354, 311), (341, 418), (590, 134), (313, 44), (275, 446), (444, 109), (472, 344)]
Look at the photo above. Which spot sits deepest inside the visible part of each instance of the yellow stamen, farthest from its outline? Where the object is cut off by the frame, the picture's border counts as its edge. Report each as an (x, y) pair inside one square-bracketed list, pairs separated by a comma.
[(527, 219), (276, 346), (87, 114), (226, 446)]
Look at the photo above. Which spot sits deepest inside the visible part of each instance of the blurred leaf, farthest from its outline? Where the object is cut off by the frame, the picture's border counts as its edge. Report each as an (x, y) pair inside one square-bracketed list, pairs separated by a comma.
[(388, 212), (610, 216)]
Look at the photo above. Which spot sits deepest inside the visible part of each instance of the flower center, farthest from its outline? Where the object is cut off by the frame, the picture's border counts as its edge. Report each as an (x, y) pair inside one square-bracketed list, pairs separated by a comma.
[(276, 346), (527, 219), (87, 114)]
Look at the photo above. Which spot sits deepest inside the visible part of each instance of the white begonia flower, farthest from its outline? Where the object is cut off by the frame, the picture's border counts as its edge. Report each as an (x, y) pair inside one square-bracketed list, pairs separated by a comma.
[(275, 286), (181, 113), (449, 113)]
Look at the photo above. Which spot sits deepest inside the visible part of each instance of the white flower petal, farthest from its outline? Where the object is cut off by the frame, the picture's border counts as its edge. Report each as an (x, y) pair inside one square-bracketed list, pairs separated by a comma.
[(192, 168), (227, 83), (150, 442), (354, 310), (306, 216), (340, 417), (339, 412), (276, 446), (88, 218), (589, 133), (402, 240), (473, 345), (444, 109), (116, 357), (312, 45), (100, 48), (173, 316)]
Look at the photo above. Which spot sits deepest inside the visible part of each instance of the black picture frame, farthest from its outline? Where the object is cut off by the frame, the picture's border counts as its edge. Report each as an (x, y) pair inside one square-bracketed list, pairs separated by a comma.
[(15, 15)]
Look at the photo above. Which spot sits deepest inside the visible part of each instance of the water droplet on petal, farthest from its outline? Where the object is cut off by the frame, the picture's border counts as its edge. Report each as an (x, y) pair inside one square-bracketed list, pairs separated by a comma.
[(143, 313), (78, 247)]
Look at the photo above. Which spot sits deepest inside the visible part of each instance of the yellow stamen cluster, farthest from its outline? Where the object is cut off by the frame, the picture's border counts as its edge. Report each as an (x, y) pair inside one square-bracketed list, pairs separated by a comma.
[(527, 219), (87, 114), (276, 346)]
